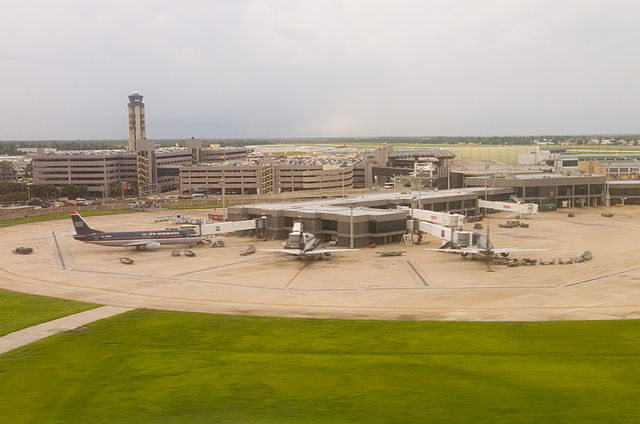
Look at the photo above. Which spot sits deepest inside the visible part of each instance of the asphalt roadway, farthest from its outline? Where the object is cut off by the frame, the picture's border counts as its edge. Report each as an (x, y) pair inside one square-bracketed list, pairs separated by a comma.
[(419, 285)]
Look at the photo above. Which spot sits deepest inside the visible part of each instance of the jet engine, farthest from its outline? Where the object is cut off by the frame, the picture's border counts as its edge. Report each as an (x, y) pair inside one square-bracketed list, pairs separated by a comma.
[(152, 245)]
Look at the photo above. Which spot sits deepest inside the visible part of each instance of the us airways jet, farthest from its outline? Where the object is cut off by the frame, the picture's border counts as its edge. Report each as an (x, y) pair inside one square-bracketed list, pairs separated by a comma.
[(302, 244), (148, 240)]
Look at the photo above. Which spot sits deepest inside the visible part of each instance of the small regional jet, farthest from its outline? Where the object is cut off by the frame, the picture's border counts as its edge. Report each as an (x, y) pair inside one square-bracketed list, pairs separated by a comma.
[(302, 244), (148, 240), (483, 249)]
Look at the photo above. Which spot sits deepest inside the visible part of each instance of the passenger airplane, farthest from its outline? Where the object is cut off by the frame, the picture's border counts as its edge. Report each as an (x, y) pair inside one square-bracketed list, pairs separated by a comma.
[(484, 248), (148, 240), (304, 245)]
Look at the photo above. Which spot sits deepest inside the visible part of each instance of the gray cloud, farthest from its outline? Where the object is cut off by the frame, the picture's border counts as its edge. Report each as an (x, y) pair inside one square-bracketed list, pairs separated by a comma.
[(309, 68)]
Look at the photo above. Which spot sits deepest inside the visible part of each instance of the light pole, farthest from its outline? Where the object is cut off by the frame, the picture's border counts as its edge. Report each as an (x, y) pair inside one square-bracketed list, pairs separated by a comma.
[(412, 200), (486, 170), (351, 205), (224, 207)]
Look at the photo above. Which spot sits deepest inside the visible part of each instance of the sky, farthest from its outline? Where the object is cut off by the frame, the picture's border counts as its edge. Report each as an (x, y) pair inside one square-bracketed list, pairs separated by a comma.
[(319, 68)]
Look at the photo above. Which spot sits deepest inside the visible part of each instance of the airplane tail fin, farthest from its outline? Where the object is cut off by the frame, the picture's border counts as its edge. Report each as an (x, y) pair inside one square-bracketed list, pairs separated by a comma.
[(80, 225)]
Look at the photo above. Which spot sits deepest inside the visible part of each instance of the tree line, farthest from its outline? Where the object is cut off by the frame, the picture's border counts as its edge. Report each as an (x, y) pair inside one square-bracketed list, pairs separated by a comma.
[(13, 192), (10, 147)]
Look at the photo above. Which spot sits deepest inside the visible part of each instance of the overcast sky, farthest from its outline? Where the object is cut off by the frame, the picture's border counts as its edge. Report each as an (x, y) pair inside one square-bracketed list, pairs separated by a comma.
[(319, 68)]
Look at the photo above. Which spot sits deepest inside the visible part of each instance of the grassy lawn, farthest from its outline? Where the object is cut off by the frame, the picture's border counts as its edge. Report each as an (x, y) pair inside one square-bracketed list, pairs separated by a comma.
[(62, 215), (20, 310), (156, 367)]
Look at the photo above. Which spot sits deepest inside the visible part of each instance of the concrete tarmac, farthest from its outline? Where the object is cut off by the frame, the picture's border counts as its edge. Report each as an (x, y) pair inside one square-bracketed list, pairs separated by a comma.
[(420, 285)]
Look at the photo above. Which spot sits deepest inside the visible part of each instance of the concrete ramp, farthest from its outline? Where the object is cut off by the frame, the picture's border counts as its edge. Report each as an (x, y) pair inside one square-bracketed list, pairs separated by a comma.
[(31, 334)]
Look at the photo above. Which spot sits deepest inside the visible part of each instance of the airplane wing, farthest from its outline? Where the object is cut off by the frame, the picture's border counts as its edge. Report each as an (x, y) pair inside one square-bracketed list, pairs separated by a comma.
[(136, 243), (295, 252), (512, 249), (321, 251), (463, 250), (298, 252)]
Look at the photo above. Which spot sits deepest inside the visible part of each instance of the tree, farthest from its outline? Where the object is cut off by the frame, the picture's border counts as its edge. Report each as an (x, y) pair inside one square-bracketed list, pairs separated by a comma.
[(73, 191), (16, 196), (115, 189), (5, 166), (7, 187), (82, 190), (8, 149), (44, 191)]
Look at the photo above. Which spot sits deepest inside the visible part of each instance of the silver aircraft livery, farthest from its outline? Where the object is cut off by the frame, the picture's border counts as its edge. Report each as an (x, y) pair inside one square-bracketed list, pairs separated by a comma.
[(302, 244), (482, 248), (147, 240)]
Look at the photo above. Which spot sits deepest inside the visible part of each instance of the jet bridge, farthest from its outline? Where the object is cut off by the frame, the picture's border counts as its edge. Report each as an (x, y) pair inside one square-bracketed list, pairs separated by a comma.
[(231, 227), (447, 219), (516, 208), (438, 231), (446, 234)]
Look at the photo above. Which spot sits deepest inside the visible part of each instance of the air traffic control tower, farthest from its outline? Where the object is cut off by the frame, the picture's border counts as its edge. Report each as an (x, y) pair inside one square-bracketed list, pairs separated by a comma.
[(137, 129)]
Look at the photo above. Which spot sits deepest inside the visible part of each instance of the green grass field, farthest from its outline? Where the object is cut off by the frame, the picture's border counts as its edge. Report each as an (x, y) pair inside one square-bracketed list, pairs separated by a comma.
[(20, 310), (62, 215), (157, 367)]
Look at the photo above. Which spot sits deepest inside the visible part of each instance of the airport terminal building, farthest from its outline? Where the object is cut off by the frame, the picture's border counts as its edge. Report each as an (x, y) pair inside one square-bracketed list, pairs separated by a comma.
[(375, 217), (381, 217), (565, 190)]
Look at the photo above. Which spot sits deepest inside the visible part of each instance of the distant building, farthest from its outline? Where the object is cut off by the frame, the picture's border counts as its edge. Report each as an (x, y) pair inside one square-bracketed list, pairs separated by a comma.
[(390, 163), (260, 177), (288, 177), (236, 178), (97, 170), (618, 165), (215, 154), (612, 169)]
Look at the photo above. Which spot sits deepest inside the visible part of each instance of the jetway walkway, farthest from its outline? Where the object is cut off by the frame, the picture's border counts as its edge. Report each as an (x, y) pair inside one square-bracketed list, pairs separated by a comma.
[(447, 235), (209, 228), (435, 230), (516, 208), (231, 227), (455, 236), (447, 219)]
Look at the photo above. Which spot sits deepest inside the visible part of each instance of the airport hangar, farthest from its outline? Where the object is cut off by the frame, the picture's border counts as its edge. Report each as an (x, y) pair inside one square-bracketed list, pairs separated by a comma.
[(377, 219)]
